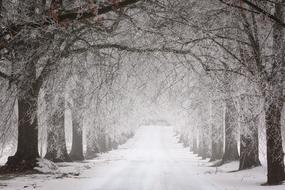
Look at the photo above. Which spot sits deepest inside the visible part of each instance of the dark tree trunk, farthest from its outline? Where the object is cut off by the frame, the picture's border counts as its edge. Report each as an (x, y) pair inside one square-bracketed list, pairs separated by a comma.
[(231, 151), (76, 153), (27, 150), (56, 144), (275, 154), (274, 100), (1, 8), (26, 155), (249, 153)]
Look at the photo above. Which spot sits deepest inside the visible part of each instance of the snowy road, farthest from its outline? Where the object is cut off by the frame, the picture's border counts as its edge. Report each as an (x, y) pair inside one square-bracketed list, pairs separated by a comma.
[(152, 160)]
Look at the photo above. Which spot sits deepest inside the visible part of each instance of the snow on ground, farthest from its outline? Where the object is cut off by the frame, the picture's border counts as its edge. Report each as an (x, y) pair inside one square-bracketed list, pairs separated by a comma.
[(152, 160)]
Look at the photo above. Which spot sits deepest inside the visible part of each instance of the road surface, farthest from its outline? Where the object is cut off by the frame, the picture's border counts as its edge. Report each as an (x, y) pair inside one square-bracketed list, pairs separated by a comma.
[(152, 160)]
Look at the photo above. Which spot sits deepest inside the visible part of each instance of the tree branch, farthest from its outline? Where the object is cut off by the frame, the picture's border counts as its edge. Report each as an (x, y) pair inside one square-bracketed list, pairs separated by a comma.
[(264, 12), (256, 8), (260, 10), (67, 15), (77, 15), (133, 49), (236, 6), (5, 76)]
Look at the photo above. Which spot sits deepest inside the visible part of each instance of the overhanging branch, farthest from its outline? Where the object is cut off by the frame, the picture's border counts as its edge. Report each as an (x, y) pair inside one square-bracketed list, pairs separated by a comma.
[(63, 16), (132, 49), (258, 9), (77, 15), (254, 6)]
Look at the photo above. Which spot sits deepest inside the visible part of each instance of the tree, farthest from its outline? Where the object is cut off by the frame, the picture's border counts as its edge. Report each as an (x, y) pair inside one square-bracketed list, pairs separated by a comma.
[(270, 82), (27, 149), (274, 100)]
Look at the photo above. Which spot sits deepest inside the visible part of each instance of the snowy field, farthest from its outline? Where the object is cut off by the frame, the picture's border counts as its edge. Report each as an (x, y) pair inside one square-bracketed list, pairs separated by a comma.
[(152, 160)]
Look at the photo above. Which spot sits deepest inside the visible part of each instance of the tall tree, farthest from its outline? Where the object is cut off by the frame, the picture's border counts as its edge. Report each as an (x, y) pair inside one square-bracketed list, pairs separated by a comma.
[(274, 101), (27, 149)]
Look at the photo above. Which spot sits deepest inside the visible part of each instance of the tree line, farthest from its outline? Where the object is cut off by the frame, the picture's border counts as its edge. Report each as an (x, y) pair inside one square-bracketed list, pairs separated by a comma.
[(231, 51)]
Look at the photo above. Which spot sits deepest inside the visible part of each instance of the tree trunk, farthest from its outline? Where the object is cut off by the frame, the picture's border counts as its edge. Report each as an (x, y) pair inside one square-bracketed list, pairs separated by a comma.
[(102, 142), (1, 7), (194, 141), (249, 153), (26, 155), (216, 143), (231, 151), (92, 147), (185, 141), (275, 154), (216, 132), (200, 143), (274, 99), (203, 145), (195, 147), (76, 153), (206, 150), (56, 144), (191, 138)]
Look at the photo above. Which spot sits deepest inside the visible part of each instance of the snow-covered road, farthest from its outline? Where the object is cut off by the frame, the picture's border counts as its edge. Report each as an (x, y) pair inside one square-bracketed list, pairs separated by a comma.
[(151, 160)]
